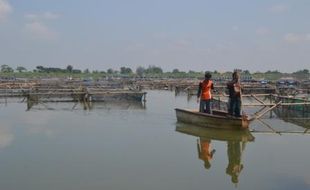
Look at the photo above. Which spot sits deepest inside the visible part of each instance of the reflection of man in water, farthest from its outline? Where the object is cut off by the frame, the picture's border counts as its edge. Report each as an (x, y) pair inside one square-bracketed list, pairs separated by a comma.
[(204, 146), (234, 167)]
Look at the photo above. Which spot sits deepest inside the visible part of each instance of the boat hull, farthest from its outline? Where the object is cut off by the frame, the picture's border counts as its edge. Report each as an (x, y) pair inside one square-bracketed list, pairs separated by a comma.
[(218, 119)]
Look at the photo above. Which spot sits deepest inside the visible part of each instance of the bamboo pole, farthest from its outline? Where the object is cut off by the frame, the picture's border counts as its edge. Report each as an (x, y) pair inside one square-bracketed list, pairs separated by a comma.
[(264, 112), (282, 132), (282, 104), (258, 99)]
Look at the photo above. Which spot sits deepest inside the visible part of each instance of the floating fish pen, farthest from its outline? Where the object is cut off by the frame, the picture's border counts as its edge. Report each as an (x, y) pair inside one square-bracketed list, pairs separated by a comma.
[(298, 104), (299, 118), (266, 103), (70, 106), (165, 84), (190, 86), (258, 89), (305, 84), (246, 89), (70, 91)]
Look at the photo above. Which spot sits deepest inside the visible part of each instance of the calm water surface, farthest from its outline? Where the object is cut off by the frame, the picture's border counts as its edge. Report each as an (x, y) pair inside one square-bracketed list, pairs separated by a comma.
[(135, 146)]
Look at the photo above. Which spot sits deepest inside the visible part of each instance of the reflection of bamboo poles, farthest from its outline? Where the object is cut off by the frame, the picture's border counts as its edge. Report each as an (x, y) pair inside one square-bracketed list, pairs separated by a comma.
[(267, 125), (306, 132), (244, 95), (198, 147), (260, 110), (298, 118)]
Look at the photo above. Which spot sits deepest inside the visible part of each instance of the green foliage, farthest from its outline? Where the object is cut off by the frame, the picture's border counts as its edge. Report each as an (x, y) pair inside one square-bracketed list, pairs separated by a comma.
[(6, 69), (86, 71), (140, 71), (126, 70), (69, 68), (42, 69), (21, 69), (110, 71), (273, 75), (151, 72), (247, 72), (175, 71), (76, 71), (302, 74)]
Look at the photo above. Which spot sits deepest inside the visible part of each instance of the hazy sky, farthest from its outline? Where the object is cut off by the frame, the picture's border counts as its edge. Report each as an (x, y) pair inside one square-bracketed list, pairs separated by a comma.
[(195, 35)]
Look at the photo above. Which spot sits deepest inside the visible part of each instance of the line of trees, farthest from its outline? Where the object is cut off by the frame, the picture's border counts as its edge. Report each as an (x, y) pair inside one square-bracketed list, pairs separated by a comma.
[(150, 71), (69, 69)]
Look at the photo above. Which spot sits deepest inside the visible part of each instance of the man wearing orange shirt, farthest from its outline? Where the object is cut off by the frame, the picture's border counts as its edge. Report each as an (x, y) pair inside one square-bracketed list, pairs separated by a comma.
[(204, 94)]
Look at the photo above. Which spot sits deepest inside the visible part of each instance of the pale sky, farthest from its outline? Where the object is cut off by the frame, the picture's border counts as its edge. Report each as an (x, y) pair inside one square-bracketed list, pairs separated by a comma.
[(199, 35)]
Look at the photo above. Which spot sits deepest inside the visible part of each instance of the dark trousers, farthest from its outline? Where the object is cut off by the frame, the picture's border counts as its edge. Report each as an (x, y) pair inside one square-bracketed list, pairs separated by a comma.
[(205, 106), (234, 107)]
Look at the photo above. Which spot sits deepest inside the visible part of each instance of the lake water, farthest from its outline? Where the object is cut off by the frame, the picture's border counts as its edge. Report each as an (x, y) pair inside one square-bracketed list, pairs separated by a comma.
[(63, 146)]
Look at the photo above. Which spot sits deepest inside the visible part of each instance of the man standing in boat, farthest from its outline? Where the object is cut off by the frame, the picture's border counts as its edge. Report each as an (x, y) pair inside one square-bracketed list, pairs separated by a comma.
[(234, 89), (204, 94)]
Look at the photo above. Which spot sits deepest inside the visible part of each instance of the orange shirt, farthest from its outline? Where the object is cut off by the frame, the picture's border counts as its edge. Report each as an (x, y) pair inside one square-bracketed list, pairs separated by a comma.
[(206, 87), (205, 150)]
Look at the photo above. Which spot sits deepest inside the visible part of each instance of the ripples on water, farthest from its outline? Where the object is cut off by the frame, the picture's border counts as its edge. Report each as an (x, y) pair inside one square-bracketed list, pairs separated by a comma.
[(140, 146)]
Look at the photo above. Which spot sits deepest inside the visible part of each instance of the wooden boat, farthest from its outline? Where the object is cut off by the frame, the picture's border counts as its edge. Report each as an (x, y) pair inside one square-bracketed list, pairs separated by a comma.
[(214, 134), (218, 119)]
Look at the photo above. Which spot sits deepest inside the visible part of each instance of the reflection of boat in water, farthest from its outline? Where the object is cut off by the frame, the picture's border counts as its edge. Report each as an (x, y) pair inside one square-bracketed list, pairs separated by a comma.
[(299, 118), (236, 141), (214, 134), (218, 119)]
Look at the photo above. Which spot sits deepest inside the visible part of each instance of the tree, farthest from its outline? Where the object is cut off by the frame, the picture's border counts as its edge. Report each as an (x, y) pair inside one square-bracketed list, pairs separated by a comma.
[(140, 71), (40, 68), (86, 71), (126, 70), (175, 71), (110, 71), (247, 72), (302, 74), (69, 68), (154, 70), (6, 69), (21, 69), (305, 71)]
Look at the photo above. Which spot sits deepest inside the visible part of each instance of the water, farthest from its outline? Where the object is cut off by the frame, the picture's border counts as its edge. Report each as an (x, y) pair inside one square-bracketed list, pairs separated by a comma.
[(136, 146)]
